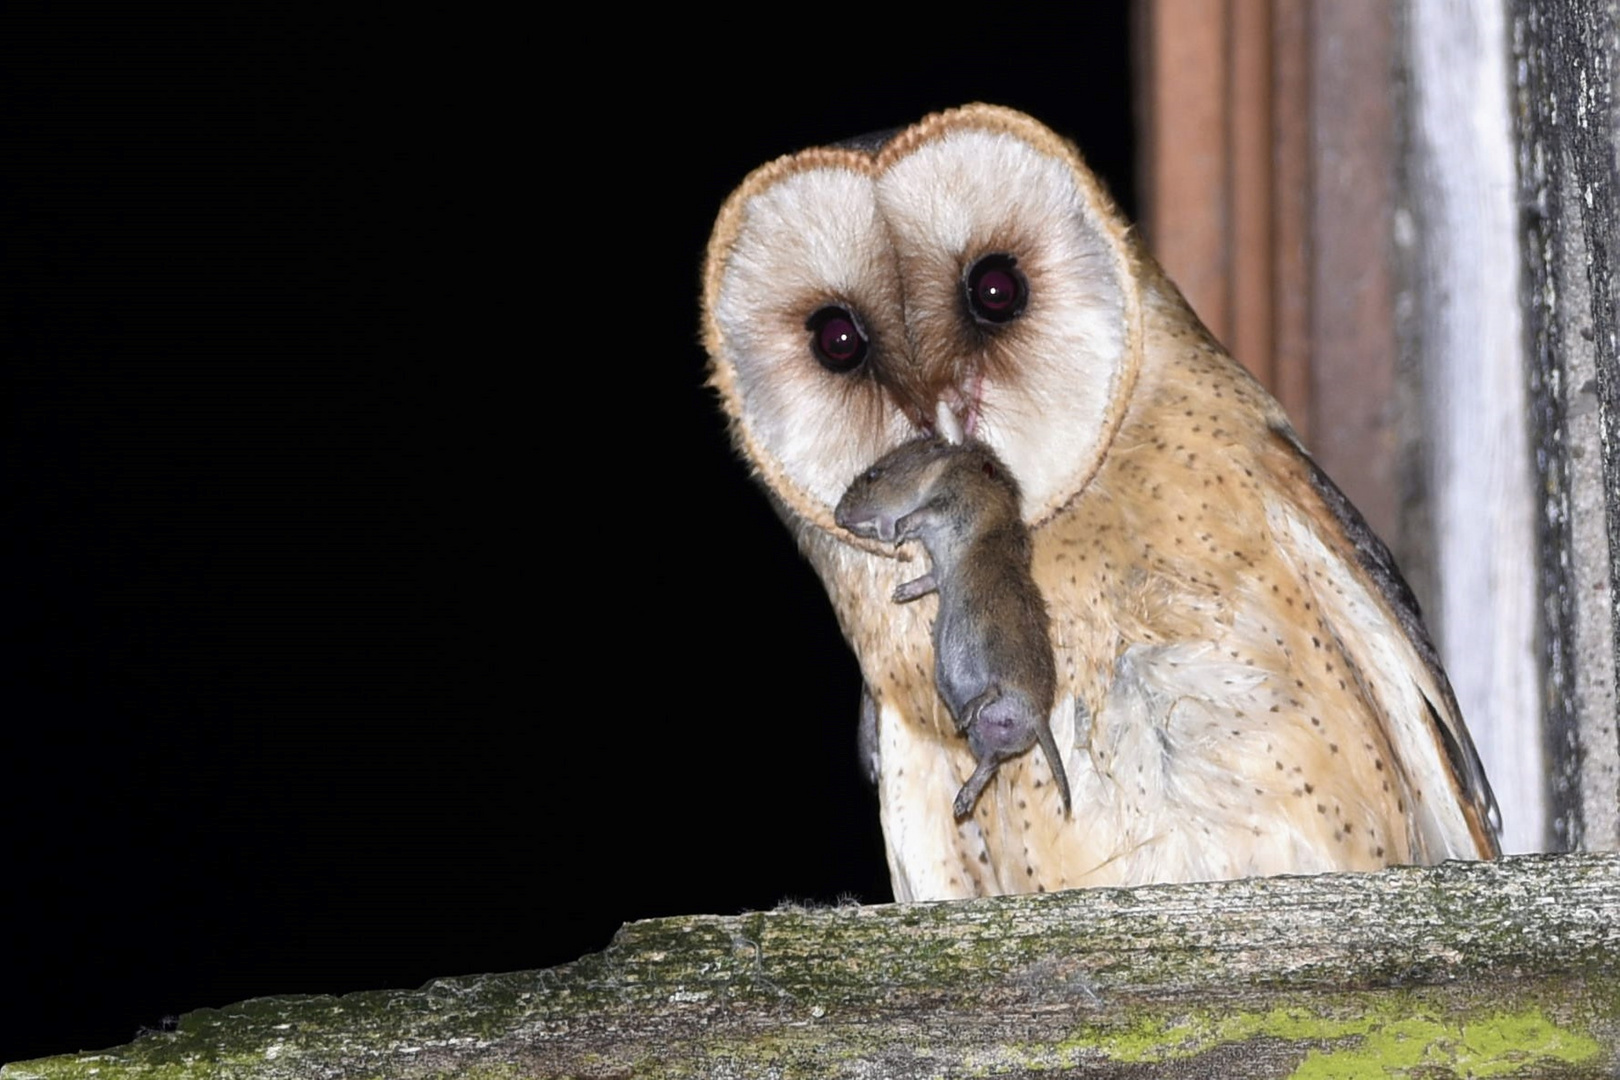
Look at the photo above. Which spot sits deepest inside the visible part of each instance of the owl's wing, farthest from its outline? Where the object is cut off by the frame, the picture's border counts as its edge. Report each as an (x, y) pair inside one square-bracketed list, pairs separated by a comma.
[(1455, 809)]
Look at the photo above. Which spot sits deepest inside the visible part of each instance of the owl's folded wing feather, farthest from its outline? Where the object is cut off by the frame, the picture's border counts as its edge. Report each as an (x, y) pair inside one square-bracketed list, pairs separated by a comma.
[(1455, 810)]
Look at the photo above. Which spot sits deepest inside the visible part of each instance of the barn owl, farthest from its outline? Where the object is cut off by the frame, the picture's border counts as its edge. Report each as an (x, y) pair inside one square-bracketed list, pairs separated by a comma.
[(1243, 682)]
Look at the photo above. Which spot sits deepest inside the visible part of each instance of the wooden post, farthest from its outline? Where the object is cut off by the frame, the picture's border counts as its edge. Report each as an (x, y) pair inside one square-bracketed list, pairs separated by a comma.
[(1465, 416), (1565, 69)]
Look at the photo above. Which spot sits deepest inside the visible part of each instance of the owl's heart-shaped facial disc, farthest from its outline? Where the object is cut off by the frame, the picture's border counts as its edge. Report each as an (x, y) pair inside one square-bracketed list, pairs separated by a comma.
[(967, 277)]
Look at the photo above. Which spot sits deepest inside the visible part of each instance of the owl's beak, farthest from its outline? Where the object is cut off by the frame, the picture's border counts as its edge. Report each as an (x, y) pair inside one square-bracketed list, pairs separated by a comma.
[(944, 409), (956, 411)]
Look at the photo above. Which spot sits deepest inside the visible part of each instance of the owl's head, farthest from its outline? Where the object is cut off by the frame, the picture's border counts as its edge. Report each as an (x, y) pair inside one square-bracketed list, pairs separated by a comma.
[(967, 274)]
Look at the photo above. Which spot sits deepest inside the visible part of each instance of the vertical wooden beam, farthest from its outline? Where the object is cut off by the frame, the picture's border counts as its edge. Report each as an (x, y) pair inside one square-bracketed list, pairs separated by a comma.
[(1184, 156), (1471, 419), (1569, 197), (1352, 279), (1226, 170), (1249, 187), (1291, 211)]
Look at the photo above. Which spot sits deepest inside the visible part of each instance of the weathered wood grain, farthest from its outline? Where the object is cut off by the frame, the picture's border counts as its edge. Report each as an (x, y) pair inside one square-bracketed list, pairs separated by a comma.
[(1468, 969), (1565, 63)]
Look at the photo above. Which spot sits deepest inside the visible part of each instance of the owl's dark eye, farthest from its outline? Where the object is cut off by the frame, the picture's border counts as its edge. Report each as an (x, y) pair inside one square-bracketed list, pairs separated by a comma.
[(837, 339), (996, 289)]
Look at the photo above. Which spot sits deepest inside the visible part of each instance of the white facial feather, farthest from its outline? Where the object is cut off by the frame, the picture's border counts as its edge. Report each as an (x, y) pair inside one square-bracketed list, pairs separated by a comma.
[(892, 244)]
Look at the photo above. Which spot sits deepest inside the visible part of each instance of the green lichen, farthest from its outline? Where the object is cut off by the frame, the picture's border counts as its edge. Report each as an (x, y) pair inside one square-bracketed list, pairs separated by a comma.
[(1187, 1036), (1391, 1040), (1494, 1045)]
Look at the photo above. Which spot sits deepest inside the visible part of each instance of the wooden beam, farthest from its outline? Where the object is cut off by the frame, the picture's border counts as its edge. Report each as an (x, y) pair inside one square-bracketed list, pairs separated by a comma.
[(1505, 969)]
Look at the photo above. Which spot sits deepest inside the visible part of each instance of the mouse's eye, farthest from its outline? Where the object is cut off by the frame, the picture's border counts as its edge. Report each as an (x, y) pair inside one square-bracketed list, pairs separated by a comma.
[(995, 289), (837, 339)]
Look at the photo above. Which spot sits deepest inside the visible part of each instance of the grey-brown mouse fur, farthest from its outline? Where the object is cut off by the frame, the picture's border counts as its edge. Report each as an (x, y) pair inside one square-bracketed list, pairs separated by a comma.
[(992, 638)]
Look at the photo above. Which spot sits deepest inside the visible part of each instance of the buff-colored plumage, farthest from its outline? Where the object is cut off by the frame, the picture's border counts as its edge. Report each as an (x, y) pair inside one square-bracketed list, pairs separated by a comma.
[(1243, 684)]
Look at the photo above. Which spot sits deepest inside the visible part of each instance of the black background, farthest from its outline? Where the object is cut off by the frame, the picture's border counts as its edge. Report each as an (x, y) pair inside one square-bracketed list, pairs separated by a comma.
[(365, 518)]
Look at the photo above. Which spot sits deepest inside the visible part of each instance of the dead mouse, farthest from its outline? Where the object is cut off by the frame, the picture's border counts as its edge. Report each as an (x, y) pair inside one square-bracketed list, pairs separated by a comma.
[(992, 639)]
